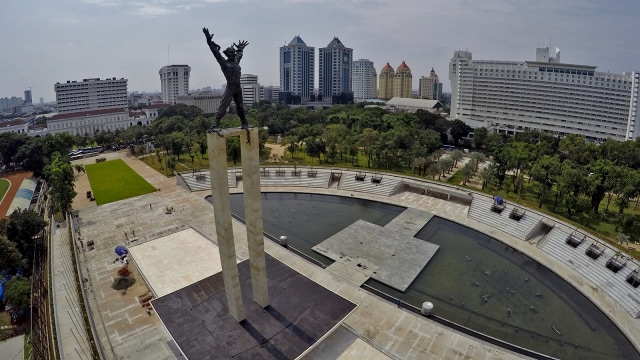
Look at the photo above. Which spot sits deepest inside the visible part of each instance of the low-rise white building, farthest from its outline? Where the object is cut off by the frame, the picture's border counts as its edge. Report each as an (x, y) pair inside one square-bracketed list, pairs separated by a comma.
[(89, 123), (206, 102), (413, 105), (18, 126)]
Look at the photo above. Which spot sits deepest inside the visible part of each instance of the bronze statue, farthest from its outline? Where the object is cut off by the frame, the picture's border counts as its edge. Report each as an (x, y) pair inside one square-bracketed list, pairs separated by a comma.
[(231, 70)]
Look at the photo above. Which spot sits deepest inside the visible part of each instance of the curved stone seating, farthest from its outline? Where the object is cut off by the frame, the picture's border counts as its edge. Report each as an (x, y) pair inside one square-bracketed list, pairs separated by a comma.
[(480, 210), (611, 283), (369, 183)]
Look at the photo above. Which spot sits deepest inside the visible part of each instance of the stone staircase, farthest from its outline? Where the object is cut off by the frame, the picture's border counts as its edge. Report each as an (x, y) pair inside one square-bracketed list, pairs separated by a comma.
[(480, 210), (285, 177), (613, 284), (386, 187), (201, 180)]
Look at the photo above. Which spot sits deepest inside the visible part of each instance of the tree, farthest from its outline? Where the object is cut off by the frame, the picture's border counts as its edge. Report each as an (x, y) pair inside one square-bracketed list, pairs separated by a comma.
[(367, 139), (480, 137), (545, 171), (23, 226), (32, 156), (11, 258), (17, 292), (477, 158), (59, 176), (622, 238), (459, 129), (171, 163), (467, 172), (433, 169), (487, 174), (9, 144), (233, 149), (456, 156)]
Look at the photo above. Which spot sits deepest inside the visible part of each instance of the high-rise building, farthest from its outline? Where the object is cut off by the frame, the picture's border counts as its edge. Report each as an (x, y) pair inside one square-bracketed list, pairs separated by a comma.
[(364, 80), (430, 87), (297, 71), (334, 69), (91, 94), (402, 81), (387, 76), (271, 93), (545, 94), (41, 101), (174, 82), (28, 100), (251, 89)]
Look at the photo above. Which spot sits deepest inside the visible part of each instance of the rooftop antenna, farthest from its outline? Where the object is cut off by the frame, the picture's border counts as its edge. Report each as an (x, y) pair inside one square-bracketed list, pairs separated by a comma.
[(168, 53)]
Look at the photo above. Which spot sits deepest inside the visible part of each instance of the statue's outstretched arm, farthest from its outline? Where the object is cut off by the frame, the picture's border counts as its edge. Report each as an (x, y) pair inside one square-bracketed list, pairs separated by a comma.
[(210, 42), (240, 47)]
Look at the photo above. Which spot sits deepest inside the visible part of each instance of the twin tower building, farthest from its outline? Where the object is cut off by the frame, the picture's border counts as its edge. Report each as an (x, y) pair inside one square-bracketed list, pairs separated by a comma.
[(340, 78)]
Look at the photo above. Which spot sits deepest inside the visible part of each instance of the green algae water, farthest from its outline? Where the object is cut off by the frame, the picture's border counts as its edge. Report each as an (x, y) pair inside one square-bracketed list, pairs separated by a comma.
[(473, 280)]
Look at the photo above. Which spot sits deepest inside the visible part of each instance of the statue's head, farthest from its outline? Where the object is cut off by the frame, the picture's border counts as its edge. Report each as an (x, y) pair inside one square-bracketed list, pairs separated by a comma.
[(230, 52)]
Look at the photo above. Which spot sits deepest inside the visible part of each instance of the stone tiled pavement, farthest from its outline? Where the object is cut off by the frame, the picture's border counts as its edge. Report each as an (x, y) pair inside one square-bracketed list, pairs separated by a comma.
[(383, 331)]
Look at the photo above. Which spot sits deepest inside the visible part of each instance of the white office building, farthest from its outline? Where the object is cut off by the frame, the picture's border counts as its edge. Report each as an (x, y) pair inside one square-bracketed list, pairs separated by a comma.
[(251, 90), (91, 94), (174, 82), (545, 94), (364, 80), (207, 102)]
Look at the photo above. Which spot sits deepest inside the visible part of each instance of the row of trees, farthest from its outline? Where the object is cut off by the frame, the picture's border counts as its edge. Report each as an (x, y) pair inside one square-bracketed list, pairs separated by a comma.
[(17, 233)]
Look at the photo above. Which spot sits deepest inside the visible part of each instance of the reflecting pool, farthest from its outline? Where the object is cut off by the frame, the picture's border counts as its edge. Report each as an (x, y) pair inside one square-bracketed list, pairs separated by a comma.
[(473, 280)]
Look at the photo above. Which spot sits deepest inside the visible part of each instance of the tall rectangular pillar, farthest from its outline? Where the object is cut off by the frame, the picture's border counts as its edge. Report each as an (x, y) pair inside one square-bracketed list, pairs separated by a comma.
[(249, 149), (217, 152), (253, 214)]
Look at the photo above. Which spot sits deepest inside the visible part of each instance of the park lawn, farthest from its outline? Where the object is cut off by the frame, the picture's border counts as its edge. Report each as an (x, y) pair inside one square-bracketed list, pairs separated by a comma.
[(114, 180), (4, 186)]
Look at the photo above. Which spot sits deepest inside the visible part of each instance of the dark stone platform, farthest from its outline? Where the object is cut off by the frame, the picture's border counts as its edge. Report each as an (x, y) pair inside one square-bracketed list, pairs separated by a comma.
[(301, 312)]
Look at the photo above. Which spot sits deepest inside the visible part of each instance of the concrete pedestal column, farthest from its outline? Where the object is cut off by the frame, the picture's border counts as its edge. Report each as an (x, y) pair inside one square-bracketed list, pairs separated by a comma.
[(217, 152), (253, 215)]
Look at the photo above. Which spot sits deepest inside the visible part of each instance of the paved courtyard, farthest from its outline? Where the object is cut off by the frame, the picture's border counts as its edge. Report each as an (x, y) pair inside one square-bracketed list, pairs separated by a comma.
[(376, 327)]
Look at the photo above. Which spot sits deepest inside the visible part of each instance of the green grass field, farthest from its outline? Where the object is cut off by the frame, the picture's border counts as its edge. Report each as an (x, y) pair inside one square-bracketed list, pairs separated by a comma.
[(114, 180), (4, 186)]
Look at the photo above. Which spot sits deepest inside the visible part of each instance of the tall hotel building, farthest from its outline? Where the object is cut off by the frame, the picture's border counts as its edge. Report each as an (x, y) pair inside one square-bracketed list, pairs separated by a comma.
[(91, 94), (334, 69), (174, 82), (430, 87), (296, 71), (387, 76), (402, 82), (364, 80), (544, 94)]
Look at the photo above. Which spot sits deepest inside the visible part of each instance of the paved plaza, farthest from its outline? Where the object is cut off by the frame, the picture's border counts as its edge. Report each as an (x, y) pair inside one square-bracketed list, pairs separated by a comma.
[(376, 327)]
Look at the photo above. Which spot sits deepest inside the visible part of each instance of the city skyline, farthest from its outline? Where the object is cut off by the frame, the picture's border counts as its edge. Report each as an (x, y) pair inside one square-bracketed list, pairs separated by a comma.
[(73, 40)]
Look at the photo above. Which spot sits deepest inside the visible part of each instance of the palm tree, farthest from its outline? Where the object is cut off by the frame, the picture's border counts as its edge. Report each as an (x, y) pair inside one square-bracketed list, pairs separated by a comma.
[(435, 156), (467, 172), (433, 169), (477, 158), (456, 156), (622, 238), (486, 174)]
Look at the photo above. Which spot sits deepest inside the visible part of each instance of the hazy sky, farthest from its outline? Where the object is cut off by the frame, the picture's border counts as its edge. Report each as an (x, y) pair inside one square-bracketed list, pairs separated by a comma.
[(43, 41)]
